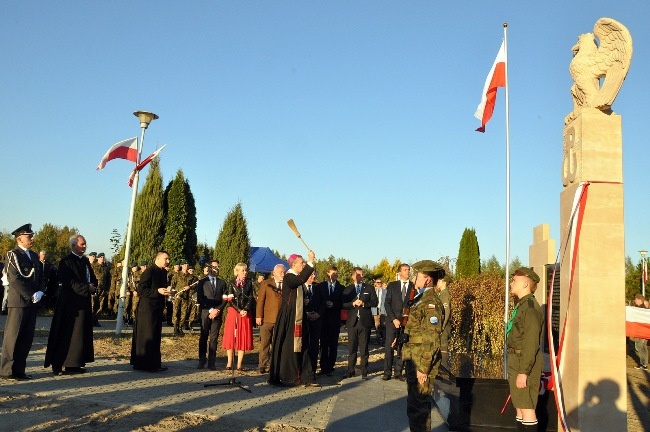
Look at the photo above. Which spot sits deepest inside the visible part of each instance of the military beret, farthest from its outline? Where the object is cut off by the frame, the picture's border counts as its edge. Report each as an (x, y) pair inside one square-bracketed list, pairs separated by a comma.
[(528, 272), (93, 254), (144, 262), (183, 262), (134, 264), (428, 266), (177, 262), (101, 254), (25, 229)]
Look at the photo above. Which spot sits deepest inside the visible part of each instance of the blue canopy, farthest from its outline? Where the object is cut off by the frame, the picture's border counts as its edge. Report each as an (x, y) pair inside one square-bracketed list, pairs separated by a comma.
[(263, 260)]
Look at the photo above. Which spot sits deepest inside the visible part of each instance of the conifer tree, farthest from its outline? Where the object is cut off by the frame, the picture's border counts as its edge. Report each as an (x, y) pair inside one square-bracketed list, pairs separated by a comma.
[(180, 219), (469, 257), (148, 219), (233, 244)]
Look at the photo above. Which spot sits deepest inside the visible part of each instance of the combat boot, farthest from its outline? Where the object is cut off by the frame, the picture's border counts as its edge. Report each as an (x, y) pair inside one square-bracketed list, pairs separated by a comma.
[(178, 331)]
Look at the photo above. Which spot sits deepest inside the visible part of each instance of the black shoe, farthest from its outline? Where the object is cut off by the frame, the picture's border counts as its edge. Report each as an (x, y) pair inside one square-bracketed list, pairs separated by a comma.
[(212, 367), (320, 372), (348, 375), (74, 370), (20, 377), (400, 378), (57, 371), (312, 384), (187, 327), (329, 373), (262, 371), (364, 377), (202, 363), (385, 377), (161, 369)]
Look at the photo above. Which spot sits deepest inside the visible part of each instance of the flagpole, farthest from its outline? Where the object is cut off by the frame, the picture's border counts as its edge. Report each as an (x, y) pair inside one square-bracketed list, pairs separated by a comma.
[(507, 295), (145, 118)]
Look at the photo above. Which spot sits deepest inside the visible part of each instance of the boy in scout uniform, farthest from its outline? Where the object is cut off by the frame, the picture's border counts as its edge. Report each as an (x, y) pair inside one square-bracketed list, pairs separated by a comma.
[(523, 338), (421, 351)]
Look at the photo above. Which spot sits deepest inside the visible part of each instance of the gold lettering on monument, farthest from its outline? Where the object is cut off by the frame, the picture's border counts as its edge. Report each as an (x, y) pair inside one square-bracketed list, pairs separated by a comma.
[(570, 159)]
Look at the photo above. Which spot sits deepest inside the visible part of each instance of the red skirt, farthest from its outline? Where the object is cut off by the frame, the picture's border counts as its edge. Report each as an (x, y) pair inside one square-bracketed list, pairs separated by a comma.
[(244, 331)]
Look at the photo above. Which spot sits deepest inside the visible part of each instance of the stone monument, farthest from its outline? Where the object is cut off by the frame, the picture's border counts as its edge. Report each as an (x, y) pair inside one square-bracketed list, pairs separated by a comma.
[(592, 277)]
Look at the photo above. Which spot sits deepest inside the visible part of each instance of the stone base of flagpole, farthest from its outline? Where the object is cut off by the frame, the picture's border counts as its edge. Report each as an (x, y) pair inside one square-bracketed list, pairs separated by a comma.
[(594, 370)]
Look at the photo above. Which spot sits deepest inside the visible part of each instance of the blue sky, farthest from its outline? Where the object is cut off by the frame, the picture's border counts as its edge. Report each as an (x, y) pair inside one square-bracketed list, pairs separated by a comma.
[(353, 118)]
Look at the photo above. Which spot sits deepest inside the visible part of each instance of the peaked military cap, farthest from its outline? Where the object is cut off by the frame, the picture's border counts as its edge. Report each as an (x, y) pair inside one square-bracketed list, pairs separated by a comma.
[(528, 272), (25, 229), (101, 254), (429, 267), (93, 254)]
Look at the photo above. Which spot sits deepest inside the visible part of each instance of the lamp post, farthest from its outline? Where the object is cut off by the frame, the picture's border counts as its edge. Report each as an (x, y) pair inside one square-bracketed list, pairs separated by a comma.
[(643, 271), (145, 118)]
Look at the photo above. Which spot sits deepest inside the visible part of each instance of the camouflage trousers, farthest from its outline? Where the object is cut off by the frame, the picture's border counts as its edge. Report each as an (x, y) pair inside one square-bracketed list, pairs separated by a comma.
[(99, 302), (134, 304), (181, 311), (419, 400)]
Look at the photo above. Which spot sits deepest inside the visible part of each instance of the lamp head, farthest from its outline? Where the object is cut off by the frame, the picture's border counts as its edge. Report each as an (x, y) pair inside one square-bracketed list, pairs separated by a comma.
[(145, 118)]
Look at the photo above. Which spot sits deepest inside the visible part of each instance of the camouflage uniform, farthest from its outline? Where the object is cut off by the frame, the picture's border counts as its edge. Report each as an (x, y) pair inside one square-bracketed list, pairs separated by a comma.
[(192, 305), (134, 279), (445, 299), (422, 353), (102, 273), (181, 300)]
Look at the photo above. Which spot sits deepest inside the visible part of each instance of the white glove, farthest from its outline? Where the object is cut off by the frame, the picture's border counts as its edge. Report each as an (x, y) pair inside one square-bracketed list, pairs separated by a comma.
[(38, 295)]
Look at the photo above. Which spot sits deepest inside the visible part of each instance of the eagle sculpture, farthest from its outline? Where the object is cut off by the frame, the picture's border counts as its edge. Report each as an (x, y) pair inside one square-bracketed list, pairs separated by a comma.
[(611, 61)]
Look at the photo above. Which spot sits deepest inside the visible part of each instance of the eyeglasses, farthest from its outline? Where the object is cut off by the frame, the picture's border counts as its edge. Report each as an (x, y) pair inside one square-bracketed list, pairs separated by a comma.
[(378, 282)]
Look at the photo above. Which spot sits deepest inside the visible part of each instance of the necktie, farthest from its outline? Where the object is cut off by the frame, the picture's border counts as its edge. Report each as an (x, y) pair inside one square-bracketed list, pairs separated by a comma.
[(28, 255), (309, 290), (404, 288), (358, 289), (331, 288), (212, 283), (279, 286)]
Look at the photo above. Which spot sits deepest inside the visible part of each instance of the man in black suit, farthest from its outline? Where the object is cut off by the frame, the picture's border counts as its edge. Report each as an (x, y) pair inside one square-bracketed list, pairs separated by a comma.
[(315, 308), (396, 294), (358, 298), (209, 296), (25, 293), (331, 323)]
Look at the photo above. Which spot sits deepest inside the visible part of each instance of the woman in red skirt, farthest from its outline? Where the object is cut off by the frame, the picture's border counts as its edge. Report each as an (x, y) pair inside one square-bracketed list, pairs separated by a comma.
[(238, 331)]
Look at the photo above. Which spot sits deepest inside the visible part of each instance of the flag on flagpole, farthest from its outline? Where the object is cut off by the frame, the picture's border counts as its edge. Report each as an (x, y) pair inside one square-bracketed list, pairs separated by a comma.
[(637, 322), (496, 78), (143, 164), (127, 149)]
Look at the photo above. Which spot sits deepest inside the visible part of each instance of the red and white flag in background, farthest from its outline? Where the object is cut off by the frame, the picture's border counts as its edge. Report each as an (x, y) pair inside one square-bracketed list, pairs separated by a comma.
[(496, 78), (637, 322), (127, 149), (143, 164)]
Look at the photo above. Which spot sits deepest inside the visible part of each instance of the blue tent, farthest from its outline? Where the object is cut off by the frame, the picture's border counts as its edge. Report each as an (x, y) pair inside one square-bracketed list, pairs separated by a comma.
[(263, 260)]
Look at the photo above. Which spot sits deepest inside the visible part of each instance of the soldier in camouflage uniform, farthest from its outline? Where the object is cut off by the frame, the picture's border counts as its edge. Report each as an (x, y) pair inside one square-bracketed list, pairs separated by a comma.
[(92, 258), (114, 290), (181, 283), (421, 351), (169, 304), (523, 339), (192, 305), (134, 279), (103, 275), (445, 299)]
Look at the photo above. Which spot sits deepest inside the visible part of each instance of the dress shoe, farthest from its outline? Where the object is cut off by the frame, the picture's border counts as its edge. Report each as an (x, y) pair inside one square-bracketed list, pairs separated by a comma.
[(75, 370), (385, 377), (161, 369), (202, 363), (19, 377), (329, 373), (57, 372), (312, 384), (212, 367), (400, 378), (348, 375), (364, 377)]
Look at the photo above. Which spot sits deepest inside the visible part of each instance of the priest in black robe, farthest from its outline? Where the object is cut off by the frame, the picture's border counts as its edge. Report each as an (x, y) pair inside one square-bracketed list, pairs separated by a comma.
[(70, 342), (290, 364), (147, 329)]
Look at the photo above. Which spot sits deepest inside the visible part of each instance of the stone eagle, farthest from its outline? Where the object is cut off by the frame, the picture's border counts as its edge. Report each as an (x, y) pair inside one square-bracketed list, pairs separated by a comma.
[(611, 61)]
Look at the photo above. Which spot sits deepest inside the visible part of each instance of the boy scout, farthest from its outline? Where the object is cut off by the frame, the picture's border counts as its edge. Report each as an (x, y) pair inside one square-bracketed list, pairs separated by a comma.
[(421, 351), (523, 338)]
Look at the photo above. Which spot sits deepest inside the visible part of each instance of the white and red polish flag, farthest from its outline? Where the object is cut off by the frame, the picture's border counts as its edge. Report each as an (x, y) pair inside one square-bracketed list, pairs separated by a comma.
[(127, 149), (143, 164), (637, 322), (496, 78)]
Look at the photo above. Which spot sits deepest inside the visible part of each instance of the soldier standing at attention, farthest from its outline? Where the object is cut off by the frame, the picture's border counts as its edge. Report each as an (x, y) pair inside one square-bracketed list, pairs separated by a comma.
[(191, 306), (523, 338), (180, 283), (445, 299), (134, 280), (421, 351), (103, 275), (116, 286), (92, 258)]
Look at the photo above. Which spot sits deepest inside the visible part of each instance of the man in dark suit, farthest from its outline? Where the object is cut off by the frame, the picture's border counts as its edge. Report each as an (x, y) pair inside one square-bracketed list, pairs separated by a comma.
[(269, 300), (331, 322), (209, 296), (396, 294), (358, 299), (70, 342), (25, 293), (315, 308)]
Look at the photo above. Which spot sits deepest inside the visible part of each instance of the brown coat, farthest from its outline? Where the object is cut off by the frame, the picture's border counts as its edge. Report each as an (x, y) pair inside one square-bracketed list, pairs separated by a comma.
[(268, 301)]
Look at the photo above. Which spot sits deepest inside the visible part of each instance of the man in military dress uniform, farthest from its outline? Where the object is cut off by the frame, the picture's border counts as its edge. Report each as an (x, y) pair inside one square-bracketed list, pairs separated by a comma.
[(25, 293), (523, 339), (421, 350)]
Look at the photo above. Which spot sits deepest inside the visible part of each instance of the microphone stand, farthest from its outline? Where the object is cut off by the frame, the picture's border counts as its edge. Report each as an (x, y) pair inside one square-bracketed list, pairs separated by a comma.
[(232, 381)]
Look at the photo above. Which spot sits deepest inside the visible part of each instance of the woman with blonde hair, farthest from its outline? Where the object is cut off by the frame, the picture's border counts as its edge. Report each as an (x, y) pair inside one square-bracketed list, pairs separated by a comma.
[(238, 330)]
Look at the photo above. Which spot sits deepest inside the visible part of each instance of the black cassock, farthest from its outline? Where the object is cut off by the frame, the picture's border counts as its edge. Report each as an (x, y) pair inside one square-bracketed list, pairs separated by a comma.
[(287, 367), (70, 343), (147, 329)]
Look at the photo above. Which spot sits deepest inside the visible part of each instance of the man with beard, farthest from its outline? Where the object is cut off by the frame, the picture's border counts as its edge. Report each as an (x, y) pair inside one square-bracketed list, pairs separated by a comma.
[(25, 284), (147, 329), (70, 343), (209, 295), (290, 364)]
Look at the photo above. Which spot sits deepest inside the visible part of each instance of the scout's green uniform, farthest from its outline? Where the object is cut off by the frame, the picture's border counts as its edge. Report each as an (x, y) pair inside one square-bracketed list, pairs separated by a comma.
[(524, 333), (422, 353)]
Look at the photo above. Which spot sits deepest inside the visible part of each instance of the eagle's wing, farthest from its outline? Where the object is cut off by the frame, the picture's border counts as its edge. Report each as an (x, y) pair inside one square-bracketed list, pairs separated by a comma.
[(613, 58)]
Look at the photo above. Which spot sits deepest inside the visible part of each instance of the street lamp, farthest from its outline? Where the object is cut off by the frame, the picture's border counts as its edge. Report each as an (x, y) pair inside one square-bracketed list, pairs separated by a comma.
[(643, 271), (145, 118)]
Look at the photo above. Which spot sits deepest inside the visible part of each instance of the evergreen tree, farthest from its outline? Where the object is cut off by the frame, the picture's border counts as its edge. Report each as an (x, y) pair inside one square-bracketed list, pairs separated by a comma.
[(233, 244), (469, 257), (384, 270), (148, 221), (180, 219), (492, 266), (54, 240)]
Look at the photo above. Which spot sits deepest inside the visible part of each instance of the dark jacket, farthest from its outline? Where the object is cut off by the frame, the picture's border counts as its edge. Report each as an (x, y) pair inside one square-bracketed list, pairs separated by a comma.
[(209, 297), (369, 297), (394, 304)]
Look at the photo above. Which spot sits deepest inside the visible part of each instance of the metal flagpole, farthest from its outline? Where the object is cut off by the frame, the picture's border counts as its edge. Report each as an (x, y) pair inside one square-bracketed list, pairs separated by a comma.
[(145, 118), (507, 294)]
